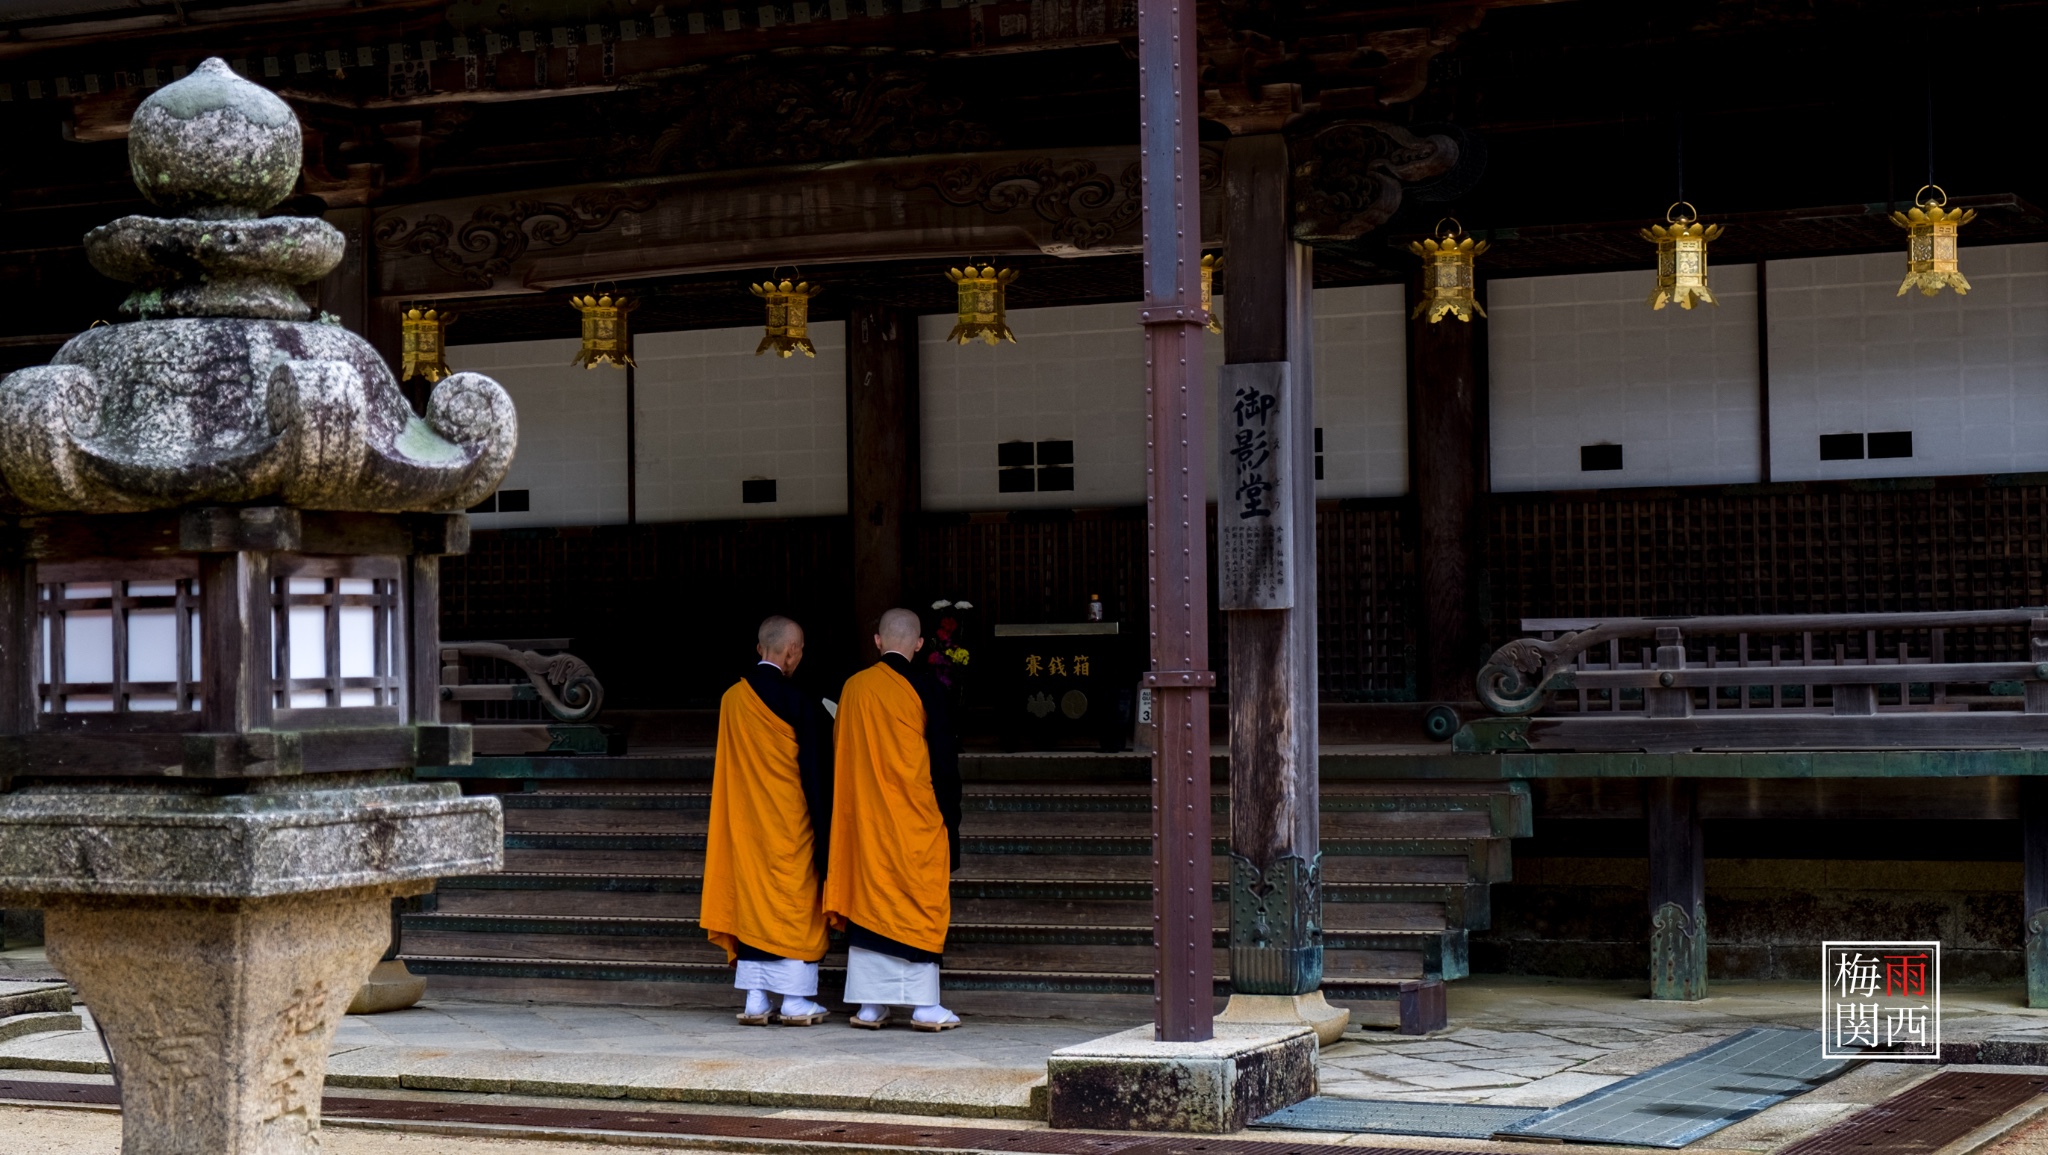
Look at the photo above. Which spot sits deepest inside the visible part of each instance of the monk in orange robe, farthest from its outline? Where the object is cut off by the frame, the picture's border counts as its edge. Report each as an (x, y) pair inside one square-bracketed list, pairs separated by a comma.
[(765, 847), (895, 832)]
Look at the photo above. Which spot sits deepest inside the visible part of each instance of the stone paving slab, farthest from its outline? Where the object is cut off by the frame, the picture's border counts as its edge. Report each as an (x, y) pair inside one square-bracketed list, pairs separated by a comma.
[(986, 1070), (1541, 1043)]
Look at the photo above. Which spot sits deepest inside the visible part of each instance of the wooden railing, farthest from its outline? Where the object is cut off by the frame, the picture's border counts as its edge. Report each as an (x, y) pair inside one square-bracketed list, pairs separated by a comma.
[(563, 685), (524, 700), (1824, 681)]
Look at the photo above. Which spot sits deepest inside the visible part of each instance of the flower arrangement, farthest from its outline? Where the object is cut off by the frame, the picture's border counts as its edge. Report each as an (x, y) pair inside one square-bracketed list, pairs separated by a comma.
[(947, 656)]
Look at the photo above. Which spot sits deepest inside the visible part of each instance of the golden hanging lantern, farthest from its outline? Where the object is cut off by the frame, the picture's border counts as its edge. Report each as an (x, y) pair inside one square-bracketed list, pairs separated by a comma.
[(1210, 263), (1448, 284), (981, 304), (1682, 258), (423, 344), (789, 317), (1931, 258), (604, 331)]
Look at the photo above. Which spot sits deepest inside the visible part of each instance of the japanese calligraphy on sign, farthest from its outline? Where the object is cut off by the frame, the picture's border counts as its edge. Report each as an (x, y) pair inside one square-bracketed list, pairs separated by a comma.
[(1254, 505), (1881, 998), (1056, 666)]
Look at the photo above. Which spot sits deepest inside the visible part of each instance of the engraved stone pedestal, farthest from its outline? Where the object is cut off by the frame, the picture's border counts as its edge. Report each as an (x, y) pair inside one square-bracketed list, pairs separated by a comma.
[(218, 940), (219, 1014)]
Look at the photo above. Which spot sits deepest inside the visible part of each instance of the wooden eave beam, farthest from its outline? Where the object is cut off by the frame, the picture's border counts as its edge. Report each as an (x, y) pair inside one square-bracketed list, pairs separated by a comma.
[(206, 23), (1400, 40), (1070, 202)]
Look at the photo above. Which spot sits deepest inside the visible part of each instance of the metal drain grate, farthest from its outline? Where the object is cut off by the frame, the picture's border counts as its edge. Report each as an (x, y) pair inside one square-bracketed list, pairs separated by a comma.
[(1676, 1103), (1924, 1118), (1396, 1117)]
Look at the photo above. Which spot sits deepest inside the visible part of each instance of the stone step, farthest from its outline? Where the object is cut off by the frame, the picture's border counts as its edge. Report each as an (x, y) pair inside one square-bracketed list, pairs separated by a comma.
[(1371, 992), (1440, 869), (1043, 949), (1463, 904), (1487, 855), (1005, 824), (1462, 813), (1410, 916)]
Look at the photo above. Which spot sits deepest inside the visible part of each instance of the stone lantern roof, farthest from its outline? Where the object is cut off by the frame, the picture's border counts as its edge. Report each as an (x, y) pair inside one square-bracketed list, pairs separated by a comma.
[(220, 389)]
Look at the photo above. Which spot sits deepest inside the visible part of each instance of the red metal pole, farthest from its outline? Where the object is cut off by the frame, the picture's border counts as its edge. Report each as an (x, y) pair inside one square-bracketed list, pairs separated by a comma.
[(1177, 452)]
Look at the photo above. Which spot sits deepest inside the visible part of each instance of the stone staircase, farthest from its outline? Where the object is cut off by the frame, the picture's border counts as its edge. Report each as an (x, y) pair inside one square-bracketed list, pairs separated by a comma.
[(1053, 898)]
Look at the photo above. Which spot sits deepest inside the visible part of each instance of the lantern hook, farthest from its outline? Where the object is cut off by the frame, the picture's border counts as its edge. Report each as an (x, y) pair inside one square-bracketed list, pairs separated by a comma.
[(1456, 230), (1673, 216), (1920, 200)]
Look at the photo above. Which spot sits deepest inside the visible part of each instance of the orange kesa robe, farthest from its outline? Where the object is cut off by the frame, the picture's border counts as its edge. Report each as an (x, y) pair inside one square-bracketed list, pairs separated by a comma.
[(891, 852), (760, 880)]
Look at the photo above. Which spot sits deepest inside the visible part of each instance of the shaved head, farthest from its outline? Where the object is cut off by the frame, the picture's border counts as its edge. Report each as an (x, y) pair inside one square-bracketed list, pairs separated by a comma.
[(900, 632), (777, 631), (780, 642)]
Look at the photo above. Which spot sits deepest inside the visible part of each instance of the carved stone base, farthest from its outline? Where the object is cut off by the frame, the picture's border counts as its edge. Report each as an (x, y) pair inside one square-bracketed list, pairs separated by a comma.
[(391, 987), (219, 1013), (1678, 953), (1310, 1010)]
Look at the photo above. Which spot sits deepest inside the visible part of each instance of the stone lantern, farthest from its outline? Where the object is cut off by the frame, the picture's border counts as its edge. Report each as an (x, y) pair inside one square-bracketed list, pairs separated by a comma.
[(220, 536)]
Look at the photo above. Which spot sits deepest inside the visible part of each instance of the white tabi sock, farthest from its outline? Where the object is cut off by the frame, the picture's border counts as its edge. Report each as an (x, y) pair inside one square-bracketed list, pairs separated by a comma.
[(757, 1003), (797, 1007), (933, 1014), (873, 1012)]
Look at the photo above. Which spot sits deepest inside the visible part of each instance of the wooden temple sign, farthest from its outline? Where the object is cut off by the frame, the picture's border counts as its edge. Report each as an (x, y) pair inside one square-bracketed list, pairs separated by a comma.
[(1254, 513), (1074, 202)]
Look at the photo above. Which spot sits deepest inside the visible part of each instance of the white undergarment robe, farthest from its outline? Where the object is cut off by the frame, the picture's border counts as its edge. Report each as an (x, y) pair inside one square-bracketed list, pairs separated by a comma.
[(784, 976), (885, 980)]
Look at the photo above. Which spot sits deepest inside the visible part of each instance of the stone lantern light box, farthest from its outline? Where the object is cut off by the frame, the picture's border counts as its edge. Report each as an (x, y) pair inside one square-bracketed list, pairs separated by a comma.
[(221, 528)]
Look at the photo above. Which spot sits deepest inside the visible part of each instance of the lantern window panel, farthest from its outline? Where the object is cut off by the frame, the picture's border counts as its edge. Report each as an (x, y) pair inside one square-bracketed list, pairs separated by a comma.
[(337, 634), (118, 637)]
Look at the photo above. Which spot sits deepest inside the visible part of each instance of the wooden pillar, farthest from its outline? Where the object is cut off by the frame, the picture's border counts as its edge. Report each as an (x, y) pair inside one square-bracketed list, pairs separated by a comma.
[(2034, 906), (1266, 518), (1446, 476), (883, 485), (1678, 889)]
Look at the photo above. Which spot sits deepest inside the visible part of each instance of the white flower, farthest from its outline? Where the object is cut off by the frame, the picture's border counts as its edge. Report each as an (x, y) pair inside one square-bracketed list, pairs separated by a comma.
[(941, 604), (963, 605)]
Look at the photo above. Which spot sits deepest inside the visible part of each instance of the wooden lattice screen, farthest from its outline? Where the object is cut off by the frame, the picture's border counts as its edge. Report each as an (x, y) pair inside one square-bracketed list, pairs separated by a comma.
[(660, 610), (665, 612), (1365, 604), (1872, 548)]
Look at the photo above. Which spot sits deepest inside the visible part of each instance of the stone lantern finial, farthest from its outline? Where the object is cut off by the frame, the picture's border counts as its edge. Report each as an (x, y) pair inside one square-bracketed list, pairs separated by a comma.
[(213, 146)]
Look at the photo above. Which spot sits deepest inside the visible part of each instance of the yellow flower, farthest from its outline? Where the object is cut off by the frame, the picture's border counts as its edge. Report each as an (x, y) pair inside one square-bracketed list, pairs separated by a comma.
[(958, 654)]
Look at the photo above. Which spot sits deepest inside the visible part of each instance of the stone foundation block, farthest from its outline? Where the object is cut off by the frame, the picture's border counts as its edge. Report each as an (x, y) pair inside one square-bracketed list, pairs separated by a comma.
[(1130, 1082)]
